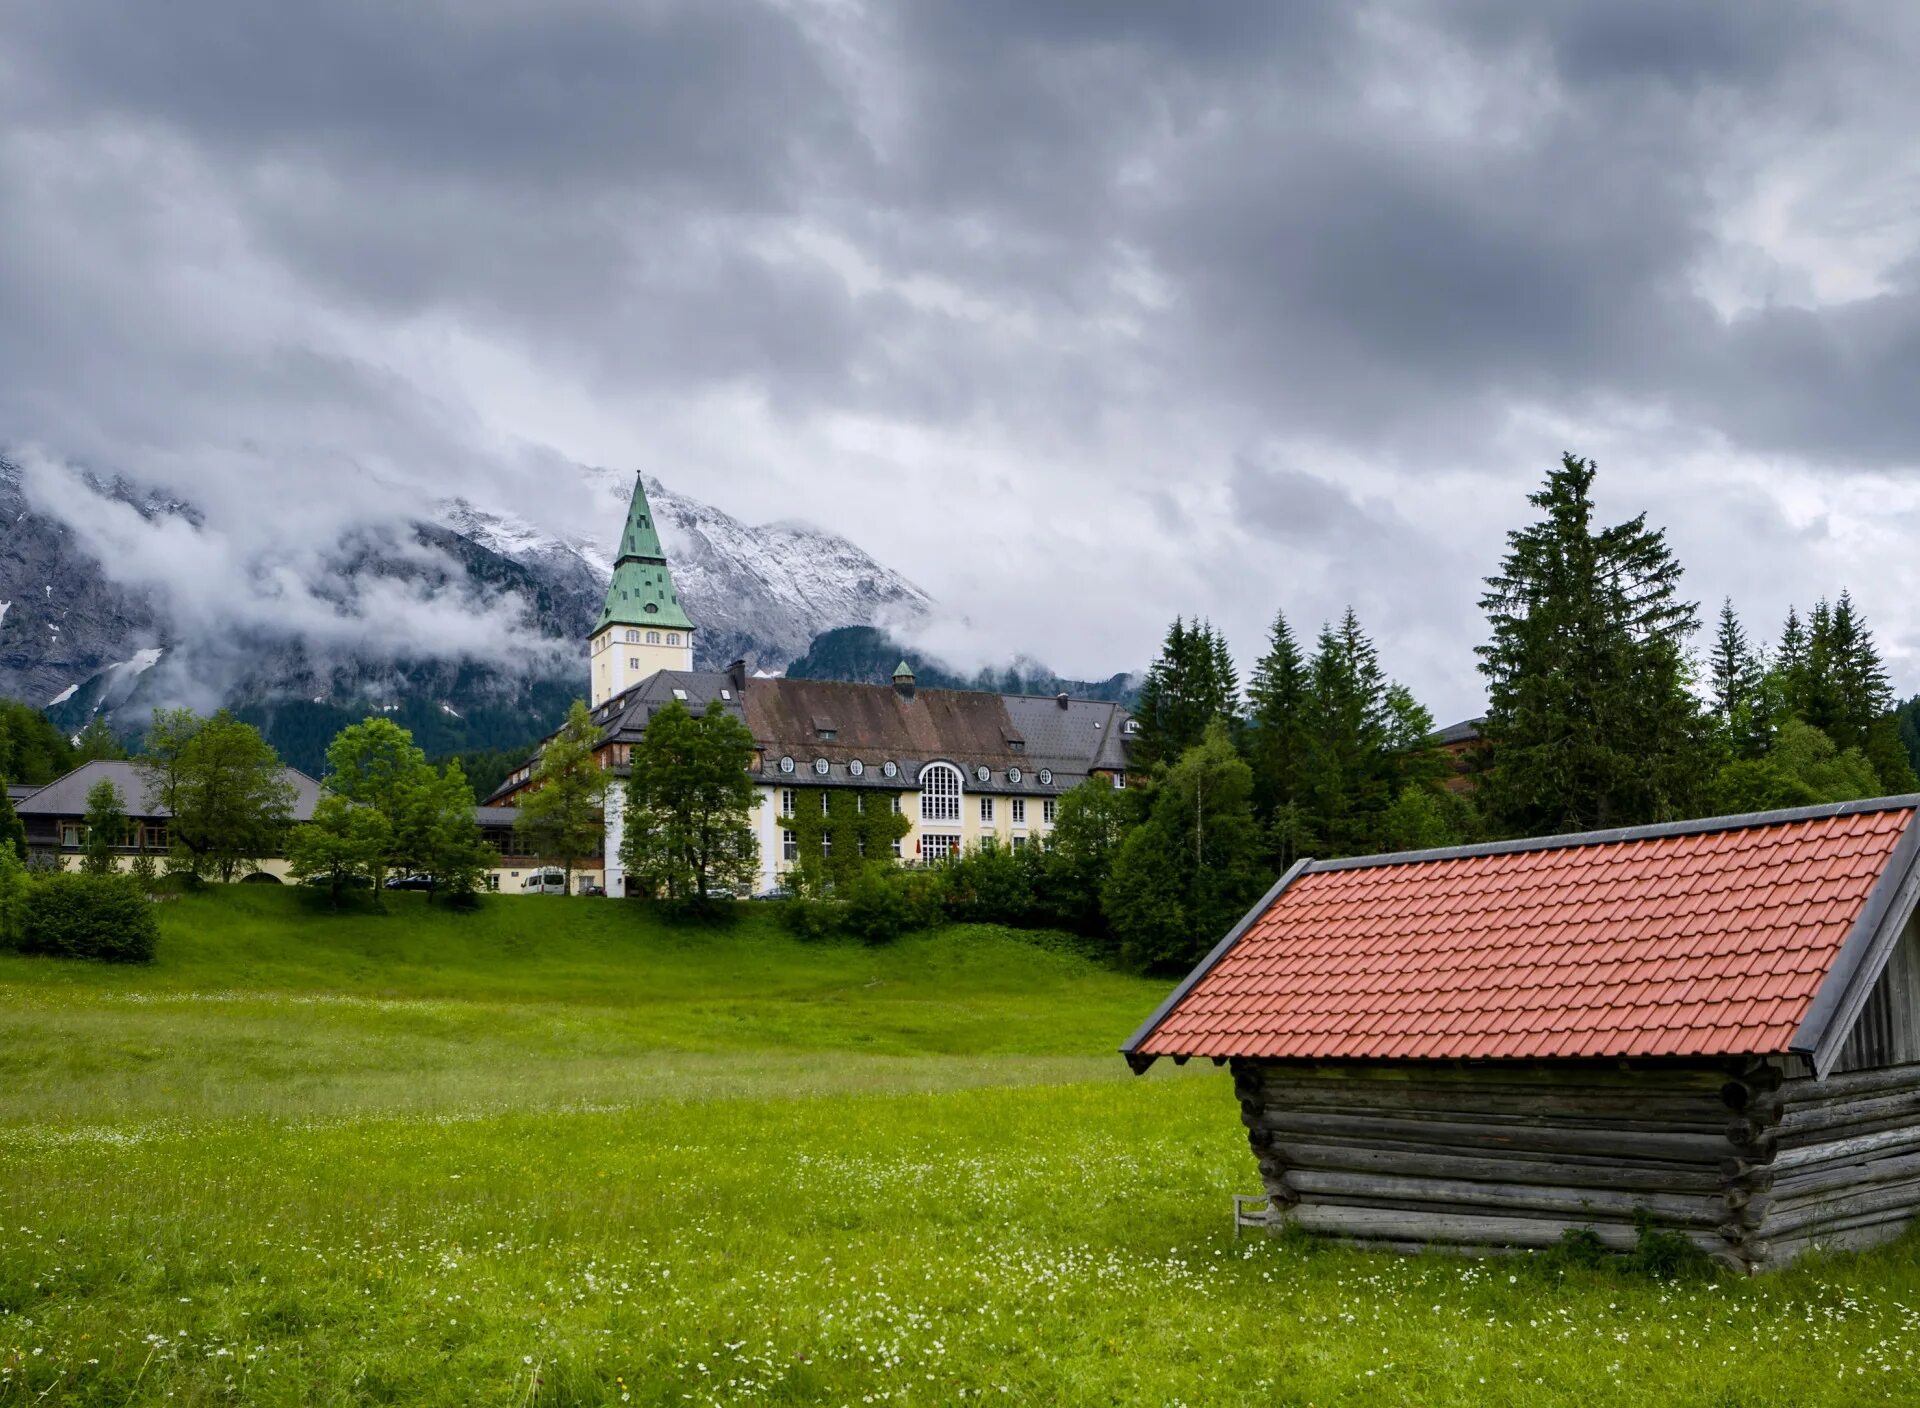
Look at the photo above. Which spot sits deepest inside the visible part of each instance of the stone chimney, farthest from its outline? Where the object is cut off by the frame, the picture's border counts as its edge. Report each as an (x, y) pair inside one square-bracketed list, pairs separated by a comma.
[(737, 675), (1062, 699)]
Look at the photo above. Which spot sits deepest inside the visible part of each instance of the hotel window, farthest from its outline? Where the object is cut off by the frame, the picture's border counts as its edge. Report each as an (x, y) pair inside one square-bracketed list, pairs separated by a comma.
[(937, 847), (633, 662), (786, 801), (895, 799), (633, 637), (986, 810), (1119, 782), (71, 834), (896, 848), (789, 846), (825, 810), (826, 843), (940, 792), (673, 637), (1048, 810), (1019, 843), (653, 637), (1019, 811)]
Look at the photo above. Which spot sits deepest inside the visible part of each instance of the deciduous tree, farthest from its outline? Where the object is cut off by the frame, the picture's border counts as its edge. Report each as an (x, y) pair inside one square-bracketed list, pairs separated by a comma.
[(224, 786), (1187, 874), (688, 829), (563, 814), (106, 828)]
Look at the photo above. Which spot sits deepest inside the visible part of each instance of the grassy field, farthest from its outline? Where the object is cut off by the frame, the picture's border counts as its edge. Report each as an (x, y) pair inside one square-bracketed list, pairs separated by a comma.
[(551, 1153)]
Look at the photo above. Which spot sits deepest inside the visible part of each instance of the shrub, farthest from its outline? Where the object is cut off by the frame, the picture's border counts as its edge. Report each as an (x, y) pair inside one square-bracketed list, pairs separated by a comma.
[(14, 885), (883, 903), (105, 917), (993, 886), (813, 919)]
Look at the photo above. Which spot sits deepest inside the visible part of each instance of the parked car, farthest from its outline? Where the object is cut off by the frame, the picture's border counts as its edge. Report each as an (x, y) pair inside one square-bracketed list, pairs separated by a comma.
[(776, 893), (350, 882), (545, 882), (588, 887), (409, 882)]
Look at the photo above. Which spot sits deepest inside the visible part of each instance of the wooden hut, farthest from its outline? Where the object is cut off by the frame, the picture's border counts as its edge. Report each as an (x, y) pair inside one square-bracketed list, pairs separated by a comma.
[(1714, 1024)]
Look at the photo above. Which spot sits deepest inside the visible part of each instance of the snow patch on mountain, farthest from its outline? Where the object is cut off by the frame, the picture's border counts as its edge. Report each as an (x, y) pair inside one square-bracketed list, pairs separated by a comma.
[(759, 592)]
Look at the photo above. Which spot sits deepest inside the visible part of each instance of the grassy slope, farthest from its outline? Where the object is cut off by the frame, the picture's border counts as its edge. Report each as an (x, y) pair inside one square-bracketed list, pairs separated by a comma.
[(549, 1154)]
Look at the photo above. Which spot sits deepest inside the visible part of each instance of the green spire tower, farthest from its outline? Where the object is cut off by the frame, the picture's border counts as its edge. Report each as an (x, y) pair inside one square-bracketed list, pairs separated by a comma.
[(643, 628)]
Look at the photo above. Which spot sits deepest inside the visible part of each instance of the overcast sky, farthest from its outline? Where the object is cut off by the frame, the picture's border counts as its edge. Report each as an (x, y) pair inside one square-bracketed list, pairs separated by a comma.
[(1080, 314)]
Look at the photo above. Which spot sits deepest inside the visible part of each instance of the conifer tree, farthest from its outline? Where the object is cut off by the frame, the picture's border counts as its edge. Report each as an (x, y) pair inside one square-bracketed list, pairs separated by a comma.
[(1190, 685), (1277, 739), (1738, 680), (1589, 718)]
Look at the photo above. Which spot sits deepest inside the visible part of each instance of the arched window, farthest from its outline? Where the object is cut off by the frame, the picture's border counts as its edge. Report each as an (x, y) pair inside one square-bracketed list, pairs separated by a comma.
[(673, 637), (633, 637), (653, 637), (940, 792)]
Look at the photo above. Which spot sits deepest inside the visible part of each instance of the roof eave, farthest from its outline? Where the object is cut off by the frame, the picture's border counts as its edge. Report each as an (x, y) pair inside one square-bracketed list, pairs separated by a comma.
[(1863, 955), (1130, 1047)]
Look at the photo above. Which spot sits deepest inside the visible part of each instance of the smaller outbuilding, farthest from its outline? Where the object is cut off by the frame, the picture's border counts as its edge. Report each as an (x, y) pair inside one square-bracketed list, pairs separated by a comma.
[(1713, 1026)]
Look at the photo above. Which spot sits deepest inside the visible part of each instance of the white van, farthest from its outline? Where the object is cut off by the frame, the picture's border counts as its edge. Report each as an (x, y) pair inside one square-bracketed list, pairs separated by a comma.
[(545, 882)]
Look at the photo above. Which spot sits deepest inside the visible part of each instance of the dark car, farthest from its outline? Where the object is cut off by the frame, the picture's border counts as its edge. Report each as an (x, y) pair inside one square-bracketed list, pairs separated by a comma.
[(410, 882)]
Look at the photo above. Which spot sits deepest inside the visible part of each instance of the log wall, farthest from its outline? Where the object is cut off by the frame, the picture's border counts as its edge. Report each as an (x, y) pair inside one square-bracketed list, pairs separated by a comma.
[(1753, 1162)]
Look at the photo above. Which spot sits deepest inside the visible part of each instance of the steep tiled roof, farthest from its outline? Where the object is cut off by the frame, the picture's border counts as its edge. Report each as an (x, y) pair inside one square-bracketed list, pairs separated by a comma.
[(1702, 940), (874, 724), (67, 796)]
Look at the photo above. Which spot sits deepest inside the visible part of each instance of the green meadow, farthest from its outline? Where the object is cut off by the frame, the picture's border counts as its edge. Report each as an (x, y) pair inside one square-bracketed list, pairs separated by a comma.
[(560, 1152)]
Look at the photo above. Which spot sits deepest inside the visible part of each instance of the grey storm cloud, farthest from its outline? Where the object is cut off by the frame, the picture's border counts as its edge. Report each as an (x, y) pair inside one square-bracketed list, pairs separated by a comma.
[(1173, 280)]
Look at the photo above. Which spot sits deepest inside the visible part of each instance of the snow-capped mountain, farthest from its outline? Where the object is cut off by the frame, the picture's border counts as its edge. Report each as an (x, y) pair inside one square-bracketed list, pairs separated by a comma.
[(377, 619), (759, 592)]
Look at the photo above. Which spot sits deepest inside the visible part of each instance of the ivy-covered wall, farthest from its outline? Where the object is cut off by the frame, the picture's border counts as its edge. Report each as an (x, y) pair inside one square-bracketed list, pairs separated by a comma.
[(853, 829)]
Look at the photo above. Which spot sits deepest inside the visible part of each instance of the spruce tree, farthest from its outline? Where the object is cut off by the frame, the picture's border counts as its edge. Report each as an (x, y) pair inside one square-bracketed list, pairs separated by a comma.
[(1187, 688), (1276, 741), (1589, 718), (1737, 679)]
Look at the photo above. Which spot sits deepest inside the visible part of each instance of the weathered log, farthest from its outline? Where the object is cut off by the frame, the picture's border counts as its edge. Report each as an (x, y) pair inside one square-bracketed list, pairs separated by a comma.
[(1857, 1173), (1880, 1144), (1700, 1210), (1850, 1084), (1812, 1117), (1524, 1100), (1702, 1177), (1836, 1208), (1545, 1138), (1471, 1230)]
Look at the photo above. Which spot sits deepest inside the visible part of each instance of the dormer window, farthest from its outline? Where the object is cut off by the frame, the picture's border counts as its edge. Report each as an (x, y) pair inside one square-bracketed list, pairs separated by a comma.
[(828, 733), (1016, 745), (1133, 726)]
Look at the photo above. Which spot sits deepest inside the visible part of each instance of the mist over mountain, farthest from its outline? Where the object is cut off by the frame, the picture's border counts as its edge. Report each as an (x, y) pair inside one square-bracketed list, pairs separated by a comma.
[(869, 655), (466, 622)]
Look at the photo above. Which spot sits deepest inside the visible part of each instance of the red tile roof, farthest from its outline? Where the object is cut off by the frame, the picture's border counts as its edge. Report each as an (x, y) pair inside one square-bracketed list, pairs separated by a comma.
[(1703, 944)]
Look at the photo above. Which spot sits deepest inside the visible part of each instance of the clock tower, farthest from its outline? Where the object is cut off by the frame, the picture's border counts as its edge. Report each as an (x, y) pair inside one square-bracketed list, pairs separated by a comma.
[(642, 628)]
